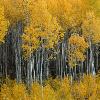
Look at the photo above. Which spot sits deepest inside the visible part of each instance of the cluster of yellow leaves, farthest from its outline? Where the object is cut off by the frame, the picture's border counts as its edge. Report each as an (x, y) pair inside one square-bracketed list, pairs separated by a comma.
[(96, 28), (15, 10), (96, 5), (87, 88), (68, 13), (54, 89), (42, 28), (48, 93), (30, 41), (76, 49), (91, 28), (17, 92), (61, 9), (36, 92), (3, 23), (64, 92)]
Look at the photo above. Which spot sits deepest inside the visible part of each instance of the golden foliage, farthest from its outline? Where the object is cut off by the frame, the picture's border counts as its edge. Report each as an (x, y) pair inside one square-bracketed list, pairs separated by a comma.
[(3, 23), (48, 93), (91, 28), (6, 92), (42, 29), (36, 92), (68, 13), (48, 20), (76, 49), (14, 10), (87, 88), (64, 92), (30, 41), (20, 90)]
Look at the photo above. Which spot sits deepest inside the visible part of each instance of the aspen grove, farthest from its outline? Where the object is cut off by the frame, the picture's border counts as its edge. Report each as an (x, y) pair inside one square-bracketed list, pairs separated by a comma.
[(44, 39)]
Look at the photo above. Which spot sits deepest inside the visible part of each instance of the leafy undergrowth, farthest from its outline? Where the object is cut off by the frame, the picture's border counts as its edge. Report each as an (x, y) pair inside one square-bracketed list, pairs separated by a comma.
[(53, 89)]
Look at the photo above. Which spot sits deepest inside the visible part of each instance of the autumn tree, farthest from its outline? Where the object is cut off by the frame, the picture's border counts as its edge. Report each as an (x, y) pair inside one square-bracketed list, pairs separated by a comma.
[(91, 33), (41, 33), (4, 24), (15, 12)]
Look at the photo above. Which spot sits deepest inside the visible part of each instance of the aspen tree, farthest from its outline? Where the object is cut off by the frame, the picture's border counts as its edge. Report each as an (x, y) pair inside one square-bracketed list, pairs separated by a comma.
[(42, 33), (90, 32), (4, 24), (15, 12)]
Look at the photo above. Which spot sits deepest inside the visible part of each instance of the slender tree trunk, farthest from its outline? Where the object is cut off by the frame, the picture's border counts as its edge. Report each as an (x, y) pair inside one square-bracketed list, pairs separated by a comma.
[(87, 66), (97, 57), (30, 67), (91, 61), (82, 68)]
